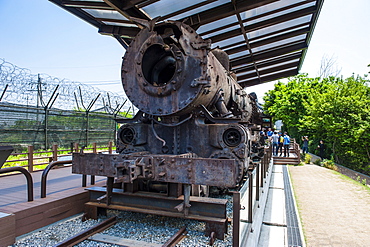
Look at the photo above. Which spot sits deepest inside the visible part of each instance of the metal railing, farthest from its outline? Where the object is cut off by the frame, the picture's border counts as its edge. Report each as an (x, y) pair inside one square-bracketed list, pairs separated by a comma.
[(296, 149), (248, 199), (46, 172), (26, 174)]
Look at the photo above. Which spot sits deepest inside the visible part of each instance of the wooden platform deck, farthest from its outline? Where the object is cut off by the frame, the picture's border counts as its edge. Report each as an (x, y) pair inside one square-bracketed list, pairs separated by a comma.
[(65, 197)]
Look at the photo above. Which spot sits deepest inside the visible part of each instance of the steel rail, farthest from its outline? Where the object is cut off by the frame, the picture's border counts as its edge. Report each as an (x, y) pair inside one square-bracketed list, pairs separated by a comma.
[(87, 233), (176, 238)]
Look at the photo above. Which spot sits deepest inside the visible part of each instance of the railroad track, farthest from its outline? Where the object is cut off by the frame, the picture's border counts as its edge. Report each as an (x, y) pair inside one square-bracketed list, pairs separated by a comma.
[(93, 234), (152, 230)]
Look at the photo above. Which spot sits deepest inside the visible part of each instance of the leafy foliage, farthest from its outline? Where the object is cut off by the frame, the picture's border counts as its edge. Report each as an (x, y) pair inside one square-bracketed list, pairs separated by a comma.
[(332, 109)]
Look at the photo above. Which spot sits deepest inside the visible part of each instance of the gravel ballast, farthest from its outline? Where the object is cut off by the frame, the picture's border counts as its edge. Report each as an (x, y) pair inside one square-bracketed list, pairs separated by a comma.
[(135, 226)]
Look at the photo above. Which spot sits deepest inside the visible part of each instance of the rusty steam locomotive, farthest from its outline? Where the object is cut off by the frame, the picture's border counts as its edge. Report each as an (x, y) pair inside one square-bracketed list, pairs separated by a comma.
[(195, 126)]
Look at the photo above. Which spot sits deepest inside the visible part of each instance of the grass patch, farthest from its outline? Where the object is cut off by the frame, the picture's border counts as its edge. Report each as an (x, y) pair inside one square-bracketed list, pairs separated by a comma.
[(358, 183), (300, 164)]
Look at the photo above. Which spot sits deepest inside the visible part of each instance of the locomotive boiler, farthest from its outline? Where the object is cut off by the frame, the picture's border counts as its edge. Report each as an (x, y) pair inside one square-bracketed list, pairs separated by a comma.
[(195, 125)]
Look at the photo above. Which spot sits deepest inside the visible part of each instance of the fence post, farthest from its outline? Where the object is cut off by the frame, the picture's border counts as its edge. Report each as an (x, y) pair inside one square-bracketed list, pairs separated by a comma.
[(258, 181), (250, 197), (94, 148), (76, 147), (55, 152), (30, 158), (110, 147)]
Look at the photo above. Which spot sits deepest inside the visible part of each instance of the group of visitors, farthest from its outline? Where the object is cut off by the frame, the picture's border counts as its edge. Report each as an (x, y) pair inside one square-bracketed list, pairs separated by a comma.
[(279, 142)]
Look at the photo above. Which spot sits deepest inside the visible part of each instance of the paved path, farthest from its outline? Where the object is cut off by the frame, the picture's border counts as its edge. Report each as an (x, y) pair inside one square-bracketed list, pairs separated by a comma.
[(333, 211)]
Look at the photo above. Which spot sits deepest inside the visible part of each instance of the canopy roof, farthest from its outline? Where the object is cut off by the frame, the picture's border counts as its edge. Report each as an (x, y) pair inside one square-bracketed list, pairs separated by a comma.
[(265, 39)]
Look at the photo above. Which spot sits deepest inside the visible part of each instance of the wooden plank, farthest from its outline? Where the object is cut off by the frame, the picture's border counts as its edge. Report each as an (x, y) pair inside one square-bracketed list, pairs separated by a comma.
[(121, 241), (7, 229)]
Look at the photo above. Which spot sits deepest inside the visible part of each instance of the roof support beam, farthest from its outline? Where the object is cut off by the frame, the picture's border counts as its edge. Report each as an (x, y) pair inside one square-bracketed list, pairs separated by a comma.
[(114, 20), (78, 12), (122, 41), (125, 9), (266, 35), (223, 11), (270, 62), (242, 28), (269, 41), (198, 5), (87, 5), (129, 32), (257, 17), (270, 53), (267, 71), (253, 82), (263, 24)]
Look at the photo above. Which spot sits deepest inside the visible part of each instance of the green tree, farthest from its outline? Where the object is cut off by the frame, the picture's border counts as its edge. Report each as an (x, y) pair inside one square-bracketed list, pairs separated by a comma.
[(333, 109), (287, 102), (340, 115)]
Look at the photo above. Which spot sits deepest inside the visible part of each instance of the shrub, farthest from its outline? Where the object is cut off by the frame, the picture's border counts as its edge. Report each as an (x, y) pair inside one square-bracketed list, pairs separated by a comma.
[(307, 158), (329, 164), (317, 162)]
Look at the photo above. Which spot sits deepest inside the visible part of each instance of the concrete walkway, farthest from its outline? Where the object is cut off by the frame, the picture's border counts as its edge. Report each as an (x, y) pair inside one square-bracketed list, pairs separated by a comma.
[(334, 211)]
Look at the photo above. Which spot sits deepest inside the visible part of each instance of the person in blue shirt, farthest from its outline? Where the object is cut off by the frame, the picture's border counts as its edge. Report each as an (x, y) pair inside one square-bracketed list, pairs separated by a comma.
[(270, 132), (286, 144)]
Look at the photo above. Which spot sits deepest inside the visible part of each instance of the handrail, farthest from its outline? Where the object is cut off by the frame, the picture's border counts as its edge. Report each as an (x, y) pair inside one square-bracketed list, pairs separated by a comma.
[(260, 171), (297, 151), (26, 173), (46, 171)]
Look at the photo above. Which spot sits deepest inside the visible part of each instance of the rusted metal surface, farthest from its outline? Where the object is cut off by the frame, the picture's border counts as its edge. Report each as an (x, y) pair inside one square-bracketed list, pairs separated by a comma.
[(87, 233), (174, 72), (162, 168), (210, 210), (194, 123), (200, 206), (176, 238), (28, 176), (196, 126), (46, 172)]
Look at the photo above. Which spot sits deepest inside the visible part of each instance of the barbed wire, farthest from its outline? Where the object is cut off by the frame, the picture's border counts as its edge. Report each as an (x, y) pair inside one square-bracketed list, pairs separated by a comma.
[(20, 86)]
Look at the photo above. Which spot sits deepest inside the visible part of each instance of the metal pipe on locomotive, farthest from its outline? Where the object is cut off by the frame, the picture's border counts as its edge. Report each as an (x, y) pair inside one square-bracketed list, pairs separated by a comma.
[(196, 125)]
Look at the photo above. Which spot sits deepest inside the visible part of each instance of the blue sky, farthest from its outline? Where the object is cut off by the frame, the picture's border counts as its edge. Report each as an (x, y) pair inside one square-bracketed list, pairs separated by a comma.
[(40, 36)]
